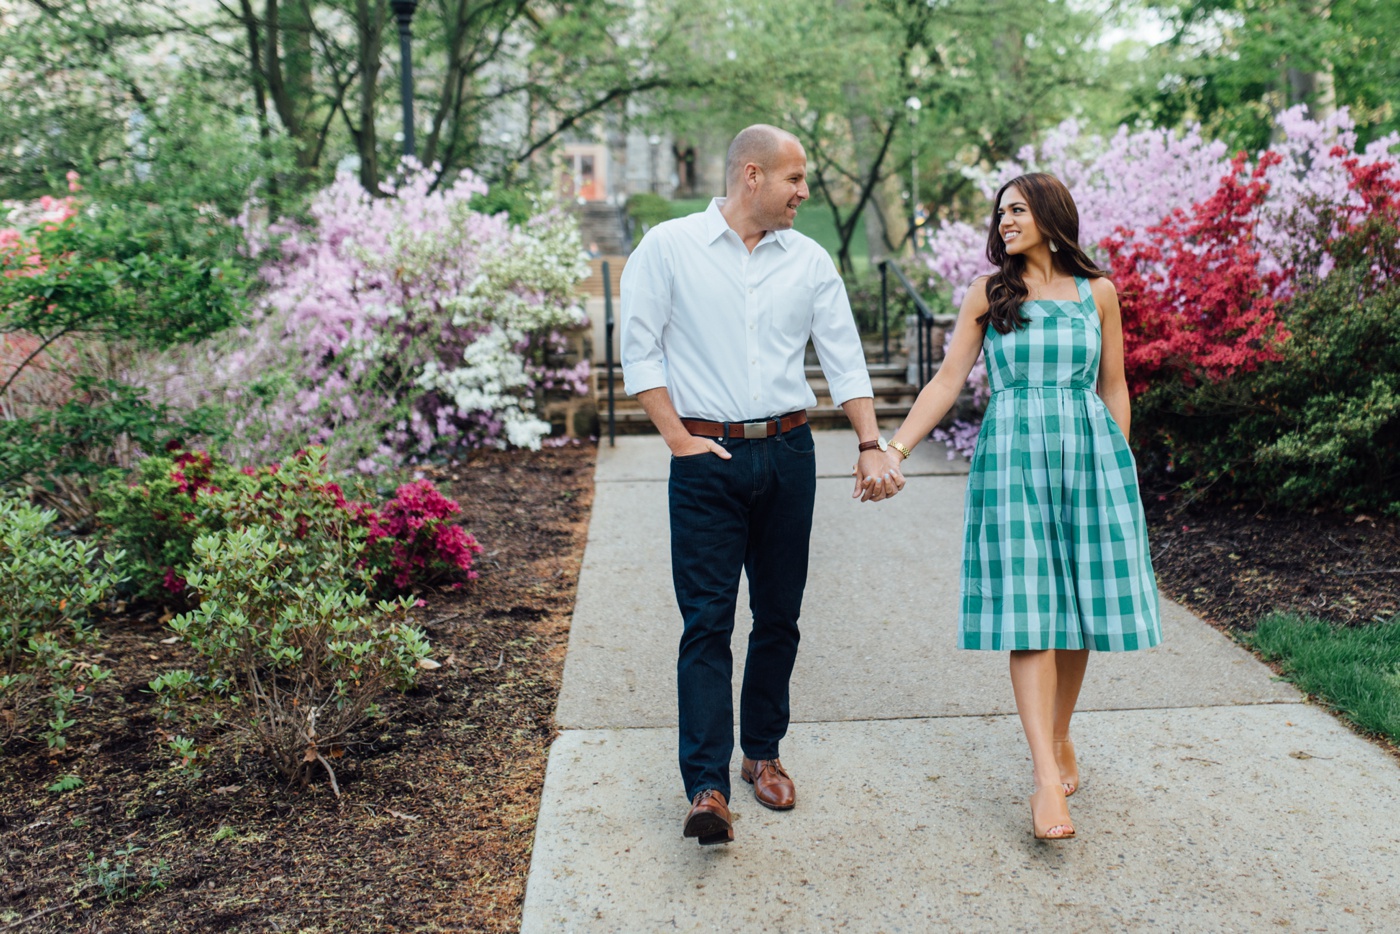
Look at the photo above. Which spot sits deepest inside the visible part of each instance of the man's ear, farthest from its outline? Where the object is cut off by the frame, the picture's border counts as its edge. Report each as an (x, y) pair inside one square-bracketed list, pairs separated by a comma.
[(751, 176)]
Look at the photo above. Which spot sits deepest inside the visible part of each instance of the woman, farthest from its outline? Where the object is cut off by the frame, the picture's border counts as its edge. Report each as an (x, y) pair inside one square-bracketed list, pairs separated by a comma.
[(1055, 558)]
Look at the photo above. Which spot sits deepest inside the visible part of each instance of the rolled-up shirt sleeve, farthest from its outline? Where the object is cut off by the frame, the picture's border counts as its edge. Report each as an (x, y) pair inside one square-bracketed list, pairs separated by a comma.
[(646, 309), (836, 339)]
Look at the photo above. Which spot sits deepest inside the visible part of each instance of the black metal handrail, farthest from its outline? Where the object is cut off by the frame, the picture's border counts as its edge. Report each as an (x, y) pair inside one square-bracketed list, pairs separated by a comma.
[(608, 352), (923, 345)]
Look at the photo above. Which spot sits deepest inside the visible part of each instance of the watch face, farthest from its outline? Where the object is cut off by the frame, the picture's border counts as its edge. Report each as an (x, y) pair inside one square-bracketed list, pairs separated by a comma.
[(884, 445)]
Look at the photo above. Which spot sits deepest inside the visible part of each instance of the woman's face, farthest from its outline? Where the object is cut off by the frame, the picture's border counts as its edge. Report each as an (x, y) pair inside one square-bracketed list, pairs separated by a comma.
[(1015, 222)]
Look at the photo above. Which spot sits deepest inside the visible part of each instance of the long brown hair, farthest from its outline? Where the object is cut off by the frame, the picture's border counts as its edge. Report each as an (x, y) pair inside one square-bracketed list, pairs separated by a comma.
[(1057, 219)]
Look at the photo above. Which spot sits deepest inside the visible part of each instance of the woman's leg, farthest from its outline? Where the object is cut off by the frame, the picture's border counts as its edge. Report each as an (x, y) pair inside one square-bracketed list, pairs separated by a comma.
[(1069, 678), (1033, 680)]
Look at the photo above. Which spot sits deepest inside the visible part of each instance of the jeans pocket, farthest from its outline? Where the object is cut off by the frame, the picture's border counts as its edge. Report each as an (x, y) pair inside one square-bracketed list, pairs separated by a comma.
[(799, 441)]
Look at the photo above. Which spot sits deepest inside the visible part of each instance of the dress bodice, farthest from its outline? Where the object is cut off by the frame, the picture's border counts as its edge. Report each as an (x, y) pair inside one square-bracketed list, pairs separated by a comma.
[(1058, 349)]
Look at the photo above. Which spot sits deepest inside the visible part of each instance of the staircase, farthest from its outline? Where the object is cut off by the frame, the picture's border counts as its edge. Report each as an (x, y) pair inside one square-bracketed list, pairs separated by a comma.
[(601, 228), (893, 397)]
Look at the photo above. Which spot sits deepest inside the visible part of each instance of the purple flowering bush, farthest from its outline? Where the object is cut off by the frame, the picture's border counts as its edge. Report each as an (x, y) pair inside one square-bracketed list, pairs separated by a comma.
[(397, 328)]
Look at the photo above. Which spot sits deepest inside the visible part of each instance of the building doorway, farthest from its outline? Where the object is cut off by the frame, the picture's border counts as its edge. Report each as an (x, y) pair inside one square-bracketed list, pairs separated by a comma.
[(584, 173)]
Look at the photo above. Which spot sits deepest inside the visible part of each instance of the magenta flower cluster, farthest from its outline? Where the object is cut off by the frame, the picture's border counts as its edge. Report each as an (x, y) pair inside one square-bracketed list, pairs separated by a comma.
[(422, 540)]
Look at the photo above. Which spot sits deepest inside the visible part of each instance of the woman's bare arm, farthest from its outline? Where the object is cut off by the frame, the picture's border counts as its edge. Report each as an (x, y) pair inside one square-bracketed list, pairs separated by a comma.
[(1113, 383)]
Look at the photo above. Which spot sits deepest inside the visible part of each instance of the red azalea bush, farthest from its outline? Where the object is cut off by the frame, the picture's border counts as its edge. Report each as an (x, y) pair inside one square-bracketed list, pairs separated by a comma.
[(410, 541), (155, 516), (1366, 232), (1195, 303), (1309, 414)]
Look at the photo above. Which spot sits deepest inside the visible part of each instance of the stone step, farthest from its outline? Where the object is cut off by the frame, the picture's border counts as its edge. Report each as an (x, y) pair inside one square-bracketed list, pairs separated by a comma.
[(600, 224), (878, 371), (633, 421)]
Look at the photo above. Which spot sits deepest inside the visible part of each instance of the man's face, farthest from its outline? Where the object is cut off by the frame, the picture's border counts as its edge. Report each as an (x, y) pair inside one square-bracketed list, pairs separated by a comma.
[(782, 188)]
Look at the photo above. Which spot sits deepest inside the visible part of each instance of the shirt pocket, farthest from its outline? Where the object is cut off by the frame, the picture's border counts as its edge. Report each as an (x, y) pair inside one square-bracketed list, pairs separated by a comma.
[(792, 308)]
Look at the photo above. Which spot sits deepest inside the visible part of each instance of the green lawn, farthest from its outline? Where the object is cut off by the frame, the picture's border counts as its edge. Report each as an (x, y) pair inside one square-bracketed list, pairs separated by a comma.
[(813, 219), (1355, 669)]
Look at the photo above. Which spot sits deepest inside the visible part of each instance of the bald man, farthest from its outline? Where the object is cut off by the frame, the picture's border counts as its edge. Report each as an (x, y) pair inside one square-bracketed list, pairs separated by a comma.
[(717, 310)]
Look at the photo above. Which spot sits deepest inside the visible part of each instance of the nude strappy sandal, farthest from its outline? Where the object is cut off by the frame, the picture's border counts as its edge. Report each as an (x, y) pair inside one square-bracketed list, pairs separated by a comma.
[(1050, 801)]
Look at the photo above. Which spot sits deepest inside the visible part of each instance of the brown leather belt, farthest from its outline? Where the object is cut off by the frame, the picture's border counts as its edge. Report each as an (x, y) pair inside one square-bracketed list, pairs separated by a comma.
[(750, 430)]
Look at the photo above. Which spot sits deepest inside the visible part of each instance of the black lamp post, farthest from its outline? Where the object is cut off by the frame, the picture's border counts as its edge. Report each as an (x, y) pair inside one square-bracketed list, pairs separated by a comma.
[(403, 12)]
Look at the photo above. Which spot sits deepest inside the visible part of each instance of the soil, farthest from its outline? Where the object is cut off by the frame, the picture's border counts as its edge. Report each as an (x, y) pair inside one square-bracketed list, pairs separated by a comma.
[(434, 825), (1232, 566)]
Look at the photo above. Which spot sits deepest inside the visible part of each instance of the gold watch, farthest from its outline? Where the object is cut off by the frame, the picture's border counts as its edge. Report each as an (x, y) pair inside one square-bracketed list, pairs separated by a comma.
[(904, 452)]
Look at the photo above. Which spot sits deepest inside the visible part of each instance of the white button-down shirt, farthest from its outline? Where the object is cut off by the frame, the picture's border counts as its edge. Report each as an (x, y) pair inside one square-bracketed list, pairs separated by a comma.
[(726, 330)]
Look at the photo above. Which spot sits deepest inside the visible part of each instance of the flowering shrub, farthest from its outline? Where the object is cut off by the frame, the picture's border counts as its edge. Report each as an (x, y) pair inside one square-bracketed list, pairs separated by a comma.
[(1203, 248), (157, 517), (399, 327), (1321, 426), (411, 541), (1195, 300), (296, 653), (1132, 181)]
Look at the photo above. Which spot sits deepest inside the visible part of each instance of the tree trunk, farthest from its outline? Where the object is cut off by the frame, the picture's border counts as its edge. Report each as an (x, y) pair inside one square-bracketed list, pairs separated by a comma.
[(369, 22), (298, 80)]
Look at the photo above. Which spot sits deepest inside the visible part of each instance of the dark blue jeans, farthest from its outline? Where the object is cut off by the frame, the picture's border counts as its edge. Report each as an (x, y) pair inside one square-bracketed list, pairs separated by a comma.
[(752, 512)]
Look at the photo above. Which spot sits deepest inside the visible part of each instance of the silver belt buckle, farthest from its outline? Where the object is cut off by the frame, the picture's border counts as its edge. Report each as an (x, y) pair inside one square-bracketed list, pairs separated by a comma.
[(755, 431)]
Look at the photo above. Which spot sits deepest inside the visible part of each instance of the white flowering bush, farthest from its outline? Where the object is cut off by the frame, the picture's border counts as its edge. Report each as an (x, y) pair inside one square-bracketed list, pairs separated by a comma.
[(399, 327)]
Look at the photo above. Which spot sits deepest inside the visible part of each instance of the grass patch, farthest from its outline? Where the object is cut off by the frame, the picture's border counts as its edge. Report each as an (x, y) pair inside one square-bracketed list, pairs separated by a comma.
[(1355, 669)]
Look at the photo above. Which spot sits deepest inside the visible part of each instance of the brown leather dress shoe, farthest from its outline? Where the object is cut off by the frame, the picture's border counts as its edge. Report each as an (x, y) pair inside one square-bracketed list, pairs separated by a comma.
[(709, 819), (772, 786)]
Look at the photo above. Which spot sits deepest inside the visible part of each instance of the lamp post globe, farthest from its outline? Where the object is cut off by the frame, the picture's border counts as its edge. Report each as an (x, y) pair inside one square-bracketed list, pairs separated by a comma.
[(403, 12)]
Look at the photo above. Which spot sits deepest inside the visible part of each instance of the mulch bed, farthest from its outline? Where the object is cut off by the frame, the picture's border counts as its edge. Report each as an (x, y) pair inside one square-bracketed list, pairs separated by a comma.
[(437, 815), (1233, 565)]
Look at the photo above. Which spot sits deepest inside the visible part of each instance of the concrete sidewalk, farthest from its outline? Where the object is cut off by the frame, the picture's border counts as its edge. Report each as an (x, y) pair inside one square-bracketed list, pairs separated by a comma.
[(1213, 798)]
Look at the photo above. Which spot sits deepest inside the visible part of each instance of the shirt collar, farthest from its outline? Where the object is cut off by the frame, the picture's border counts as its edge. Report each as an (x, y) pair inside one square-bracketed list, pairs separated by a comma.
[(716, 225)]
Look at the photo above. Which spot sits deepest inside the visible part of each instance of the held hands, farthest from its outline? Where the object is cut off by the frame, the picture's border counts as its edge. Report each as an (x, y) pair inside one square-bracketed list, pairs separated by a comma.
[(878, 476)]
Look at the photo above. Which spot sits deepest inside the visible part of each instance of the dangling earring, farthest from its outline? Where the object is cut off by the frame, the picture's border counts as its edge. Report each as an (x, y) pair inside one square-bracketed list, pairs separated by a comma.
[(1053, 248)]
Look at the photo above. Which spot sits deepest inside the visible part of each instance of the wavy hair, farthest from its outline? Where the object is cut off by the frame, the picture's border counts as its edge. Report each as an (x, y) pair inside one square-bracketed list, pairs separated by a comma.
[(1057, 219)]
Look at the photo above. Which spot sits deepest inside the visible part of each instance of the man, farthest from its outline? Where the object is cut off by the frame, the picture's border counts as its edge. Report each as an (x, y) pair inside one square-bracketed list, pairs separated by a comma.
[(717, 309)]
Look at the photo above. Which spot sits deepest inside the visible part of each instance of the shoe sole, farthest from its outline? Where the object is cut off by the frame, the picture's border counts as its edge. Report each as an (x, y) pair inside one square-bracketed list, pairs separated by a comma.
[(709, 829), (771, 807)]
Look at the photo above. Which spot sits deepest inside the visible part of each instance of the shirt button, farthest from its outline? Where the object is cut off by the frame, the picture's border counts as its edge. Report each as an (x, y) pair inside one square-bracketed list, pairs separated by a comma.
[(753, 363), (755, 395), (750, 291), (752, 326)]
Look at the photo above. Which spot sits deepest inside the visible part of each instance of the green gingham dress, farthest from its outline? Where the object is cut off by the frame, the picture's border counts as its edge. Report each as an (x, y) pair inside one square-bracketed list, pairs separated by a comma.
[(1055, 549)]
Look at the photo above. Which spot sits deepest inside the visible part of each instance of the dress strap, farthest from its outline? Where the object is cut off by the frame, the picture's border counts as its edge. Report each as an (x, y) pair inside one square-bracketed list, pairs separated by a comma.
[(1085, 293)]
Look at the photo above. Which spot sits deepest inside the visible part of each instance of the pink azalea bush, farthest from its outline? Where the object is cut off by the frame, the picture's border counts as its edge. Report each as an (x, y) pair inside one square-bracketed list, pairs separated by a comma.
[(414, 536), (1131, 186), (397, 328)]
